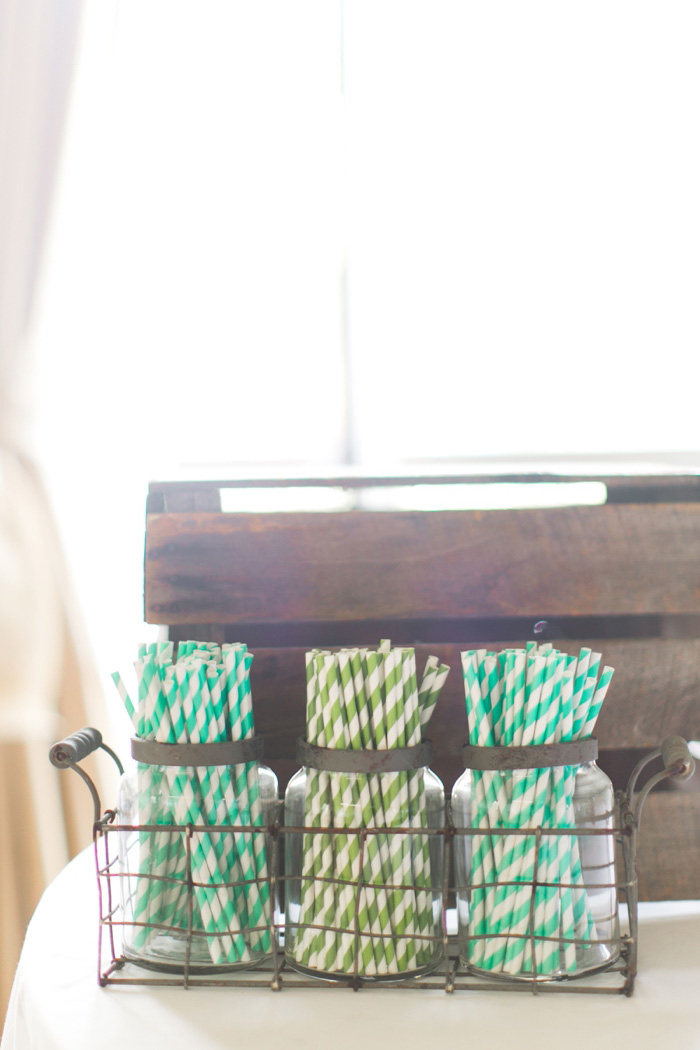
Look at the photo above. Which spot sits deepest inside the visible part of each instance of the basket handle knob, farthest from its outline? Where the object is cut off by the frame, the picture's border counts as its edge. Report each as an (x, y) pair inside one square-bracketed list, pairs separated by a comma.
[(75, 747), (67, 753), (677, 757)]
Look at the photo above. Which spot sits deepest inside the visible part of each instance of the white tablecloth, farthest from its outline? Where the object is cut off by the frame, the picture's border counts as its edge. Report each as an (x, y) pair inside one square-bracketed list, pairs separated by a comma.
[(57, 1004)]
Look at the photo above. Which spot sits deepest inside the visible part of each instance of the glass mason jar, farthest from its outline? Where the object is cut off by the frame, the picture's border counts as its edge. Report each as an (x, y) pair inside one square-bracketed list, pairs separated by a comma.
[(572, 927), (221, 920), (378, 894)]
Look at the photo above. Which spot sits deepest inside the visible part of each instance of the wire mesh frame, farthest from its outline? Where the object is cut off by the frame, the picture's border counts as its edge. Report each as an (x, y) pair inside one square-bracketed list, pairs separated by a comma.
[(274, 971)]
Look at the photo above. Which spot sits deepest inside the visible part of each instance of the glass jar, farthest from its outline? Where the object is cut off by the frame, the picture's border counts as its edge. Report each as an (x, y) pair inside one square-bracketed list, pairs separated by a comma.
[(221, 921), (376, 893), (572, 927)]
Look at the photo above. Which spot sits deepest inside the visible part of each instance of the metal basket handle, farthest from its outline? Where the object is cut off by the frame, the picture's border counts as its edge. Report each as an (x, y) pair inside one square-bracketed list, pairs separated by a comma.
[(67, 753), (678, 762)]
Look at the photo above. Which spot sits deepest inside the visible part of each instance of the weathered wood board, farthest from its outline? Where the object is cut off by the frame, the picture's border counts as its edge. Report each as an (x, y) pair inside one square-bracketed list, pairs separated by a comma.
[(275, 568)]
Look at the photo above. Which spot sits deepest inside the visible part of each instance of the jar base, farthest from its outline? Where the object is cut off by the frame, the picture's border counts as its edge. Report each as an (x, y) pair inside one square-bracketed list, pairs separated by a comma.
[(351, 978), (169, 958), (589, 968)]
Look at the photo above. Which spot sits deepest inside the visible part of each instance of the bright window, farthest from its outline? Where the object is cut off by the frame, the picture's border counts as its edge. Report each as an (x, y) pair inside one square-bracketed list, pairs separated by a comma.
[(292, 234)]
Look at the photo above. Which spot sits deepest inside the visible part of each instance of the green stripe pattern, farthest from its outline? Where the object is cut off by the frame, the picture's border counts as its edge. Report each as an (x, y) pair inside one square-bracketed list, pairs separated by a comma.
[(366, 909), (204, 696), (521, 697)]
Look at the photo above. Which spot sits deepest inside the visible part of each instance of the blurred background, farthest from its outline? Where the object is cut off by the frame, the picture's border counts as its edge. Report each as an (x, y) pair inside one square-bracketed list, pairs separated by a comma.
[(247, 237)]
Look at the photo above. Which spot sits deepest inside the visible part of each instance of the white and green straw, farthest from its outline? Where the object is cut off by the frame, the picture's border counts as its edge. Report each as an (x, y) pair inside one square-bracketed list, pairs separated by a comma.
[(522, 697), (202, 697), (372, 918)]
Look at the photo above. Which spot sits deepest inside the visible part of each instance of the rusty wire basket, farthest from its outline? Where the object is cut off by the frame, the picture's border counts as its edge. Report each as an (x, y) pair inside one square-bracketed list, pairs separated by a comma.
[(451, 975)]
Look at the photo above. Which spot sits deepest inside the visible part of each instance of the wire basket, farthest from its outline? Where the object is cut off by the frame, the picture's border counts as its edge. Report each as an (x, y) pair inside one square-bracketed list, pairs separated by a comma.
[(274, 972)]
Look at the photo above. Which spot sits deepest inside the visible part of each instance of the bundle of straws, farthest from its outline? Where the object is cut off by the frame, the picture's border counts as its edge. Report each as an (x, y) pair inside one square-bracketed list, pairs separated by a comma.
[(202, 697), (364, 700), (522, 697)]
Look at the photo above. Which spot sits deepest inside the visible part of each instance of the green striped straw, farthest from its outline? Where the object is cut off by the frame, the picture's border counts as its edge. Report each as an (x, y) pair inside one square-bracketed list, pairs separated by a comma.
[(317, 894), (365, 699), (357, 798), (195, 795), (158, 850), (523, 697), (243, 783), (194, 701), (426, 697), (376, 867)]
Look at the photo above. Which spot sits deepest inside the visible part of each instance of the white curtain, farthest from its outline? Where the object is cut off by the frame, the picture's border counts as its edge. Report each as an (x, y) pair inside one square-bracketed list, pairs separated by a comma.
[(45, 667)]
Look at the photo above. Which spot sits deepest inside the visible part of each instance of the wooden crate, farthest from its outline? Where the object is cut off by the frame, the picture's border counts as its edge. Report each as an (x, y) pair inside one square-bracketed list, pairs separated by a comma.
[(622, 577)]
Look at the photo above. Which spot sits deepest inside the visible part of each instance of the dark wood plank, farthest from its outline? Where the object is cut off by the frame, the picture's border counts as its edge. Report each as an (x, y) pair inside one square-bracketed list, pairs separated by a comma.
[(668, 854), (200, 632), (246, 568), (492, 632), (655, 692)]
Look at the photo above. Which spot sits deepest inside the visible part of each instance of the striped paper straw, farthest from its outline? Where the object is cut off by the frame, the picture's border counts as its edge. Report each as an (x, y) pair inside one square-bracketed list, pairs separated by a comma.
[(194, 701), (524, 697), (365, 699)]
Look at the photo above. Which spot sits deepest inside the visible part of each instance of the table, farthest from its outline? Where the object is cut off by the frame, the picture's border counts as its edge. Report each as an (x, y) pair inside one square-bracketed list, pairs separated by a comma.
[(56, 1003)]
